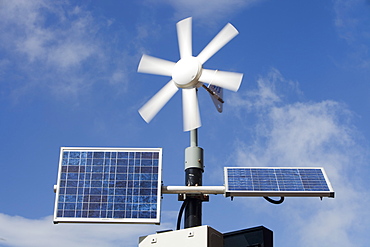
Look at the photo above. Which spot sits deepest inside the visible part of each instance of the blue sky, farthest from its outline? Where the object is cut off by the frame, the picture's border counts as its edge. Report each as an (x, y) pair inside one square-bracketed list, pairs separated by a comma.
[(68, 78)]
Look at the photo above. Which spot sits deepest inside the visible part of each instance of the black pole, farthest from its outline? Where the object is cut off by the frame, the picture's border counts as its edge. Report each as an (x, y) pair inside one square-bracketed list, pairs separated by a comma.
[(193, 210), (193, 177)]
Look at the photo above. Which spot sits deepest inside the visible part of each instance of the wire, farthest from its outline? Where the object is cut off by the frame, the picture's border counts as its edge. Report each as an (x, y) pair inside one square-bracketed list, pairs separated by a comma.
[(274, 201), (183, 206)]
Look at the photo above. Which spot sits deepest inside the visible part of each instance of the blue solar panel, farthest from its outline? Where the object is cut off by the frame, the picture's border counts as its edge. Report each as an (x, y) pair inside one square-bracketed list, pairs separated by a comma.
[(108, 185), (250, 181)]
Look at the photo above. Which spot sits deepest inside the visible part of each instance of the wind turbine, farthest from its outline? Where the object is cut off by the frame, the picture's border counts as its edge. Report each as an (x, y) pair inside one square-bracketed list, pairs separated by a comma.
[(188, 74)]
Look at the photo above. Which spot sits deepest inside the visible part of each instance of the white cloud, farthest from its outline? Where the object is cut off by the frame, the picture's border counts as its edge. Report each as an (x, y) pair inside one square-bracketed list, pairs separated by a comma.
[(44, 32), (317, 134), (208, 11), (270, 92), (18, 231), (57, 47), (352, 20)]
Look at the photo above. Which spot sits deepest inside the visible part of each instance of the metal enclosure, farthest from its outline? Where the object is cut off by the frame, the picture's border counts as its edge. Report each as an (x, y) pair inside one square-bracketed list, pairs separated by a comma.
[(200, 236), (252, 237)]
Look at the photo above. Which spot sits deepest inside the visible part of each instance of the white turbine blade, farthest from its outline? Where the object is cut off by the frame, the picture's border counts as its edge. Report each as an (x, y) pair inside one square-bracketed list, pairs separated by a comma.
[(184, 37), (224, 79), (156, 66), (221, 39), (156, 103), (190, 109)]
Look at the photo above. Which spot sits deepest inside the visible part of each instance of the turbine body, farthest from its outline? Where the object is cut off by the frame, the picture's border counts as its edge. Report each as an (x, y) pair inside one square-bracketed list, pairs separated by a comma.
[(188, 74)]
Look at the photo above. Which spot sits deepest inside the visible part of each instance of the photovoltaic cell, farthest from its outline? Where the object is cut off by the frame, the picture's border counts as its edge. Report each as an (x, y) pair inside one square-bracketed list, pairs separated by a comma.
[(108, 185), (293, 181)]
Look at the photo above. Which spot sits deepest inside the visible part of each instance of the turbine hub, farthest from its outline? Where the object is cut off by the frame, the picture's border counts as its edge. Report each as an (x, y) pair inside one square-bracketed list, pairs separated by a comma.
[(186, 72)]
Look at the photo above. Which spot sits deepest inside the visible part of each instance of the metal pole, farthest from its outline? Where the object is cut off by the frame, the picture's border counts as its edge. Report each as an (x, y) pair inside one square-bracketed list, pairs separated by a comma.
[(193, 177)]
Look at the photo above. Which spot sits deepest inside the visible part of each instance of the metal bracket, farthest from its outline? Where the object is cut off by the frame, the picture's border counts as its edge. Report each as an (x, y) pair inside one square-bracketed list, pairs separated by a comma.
[(202, 197)]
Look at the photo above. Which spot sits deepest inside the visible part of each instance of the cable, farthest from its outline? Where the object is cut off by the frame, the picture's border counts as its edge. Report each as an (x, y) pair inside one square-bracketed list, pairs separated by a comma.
[(183, 206), (273, 201)]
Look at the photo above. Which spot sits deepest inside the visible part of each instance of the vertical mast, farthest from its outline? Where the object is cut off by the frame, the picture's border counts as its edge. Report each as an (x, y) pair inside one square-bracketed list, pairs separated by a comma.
[(193, 177)]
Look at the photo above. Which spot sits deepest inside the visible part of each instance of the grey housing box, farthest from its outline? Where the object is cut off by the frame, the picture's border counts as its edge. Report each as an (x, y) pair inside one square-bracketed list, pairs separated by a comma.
[(200, 236)]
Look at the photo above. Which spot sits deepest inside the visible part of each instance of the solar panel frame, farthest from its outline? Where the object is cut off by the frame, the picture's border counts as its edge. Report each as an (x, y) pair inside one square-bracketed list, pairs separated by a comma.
[(277, 181), (108, 185)]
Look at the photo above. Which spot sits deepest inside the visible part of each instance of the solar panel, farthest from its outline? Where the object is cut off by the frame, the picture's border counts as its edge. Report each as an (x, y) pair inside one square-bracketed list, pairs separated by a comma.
[(292, 181), (108, 185)]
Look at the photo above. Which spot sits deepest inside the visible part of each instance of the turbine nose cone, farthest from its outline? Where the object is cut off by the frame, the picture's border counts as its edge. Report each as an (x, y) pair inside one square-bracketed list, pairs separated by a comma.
[(186, 72)]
